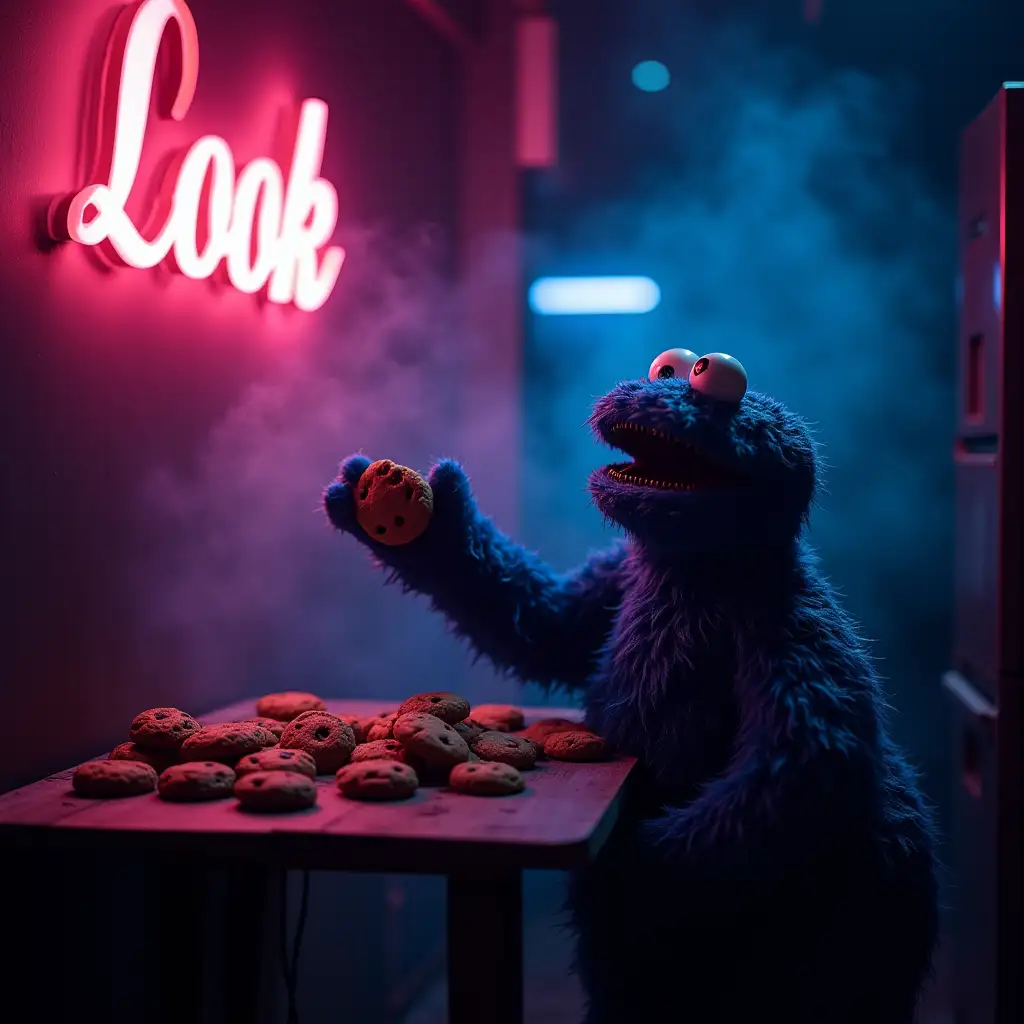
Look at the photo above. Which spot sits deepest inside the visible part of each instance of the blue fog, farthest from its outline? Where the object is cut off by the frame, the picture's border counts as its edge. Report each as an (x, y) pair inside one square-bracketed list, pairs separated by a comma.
[(781, 230)]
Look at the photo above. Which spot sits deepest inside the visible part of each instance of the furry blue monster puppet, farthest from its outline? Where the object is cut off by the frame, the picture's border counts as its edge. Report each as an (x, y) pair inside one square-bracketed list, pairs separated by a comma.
[(774, 860)]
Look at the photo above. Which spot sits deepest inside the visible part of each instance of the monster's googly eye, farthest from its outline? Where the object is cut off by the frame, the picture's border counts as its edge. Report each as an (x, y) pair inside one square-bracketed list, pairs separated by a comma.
[(676, 362), (719, 376)]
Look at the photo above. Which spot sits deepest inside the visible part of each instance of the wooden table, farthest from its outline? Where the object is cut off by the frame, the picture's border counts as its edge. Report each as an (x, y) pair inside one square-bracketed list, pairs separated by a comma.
[(481, 846)]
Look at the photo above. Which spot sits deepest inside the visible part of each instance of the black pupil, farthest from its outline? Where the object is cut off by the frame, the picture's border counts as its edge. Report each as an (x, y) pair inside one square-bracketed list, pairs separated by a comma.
[(700, 366), (666, 371)]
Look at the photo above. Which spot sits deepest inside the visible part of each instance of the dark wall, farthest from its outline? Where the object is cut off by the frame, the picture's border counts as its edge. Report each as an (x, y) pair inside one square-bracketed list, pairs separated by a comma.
[(165, 443), (164, 440)]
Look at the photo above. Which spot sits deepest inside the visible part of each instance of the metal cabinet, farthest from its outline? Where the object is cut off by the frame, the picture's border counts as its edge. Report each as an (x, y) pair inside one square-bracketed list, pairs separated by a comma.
[(984, 683)]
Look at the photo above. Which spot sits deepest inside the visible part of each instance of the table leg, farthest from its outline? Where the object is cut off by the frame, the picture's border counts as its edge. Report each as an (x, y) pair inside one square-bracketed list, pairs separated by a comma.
[(246, 908), (177, 897), (485, 947)]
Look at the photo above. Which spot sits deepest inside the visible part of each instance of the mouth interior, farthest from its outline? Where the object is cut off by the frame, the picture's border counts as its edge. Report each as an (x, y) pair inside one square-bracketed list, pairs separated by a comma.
[(663, 462)]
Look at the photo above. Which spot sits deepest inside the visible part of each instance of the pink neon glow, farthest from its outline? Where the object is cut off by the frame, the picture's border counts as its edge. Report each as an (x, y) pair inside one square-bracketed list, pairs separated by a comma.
[(292, 221)]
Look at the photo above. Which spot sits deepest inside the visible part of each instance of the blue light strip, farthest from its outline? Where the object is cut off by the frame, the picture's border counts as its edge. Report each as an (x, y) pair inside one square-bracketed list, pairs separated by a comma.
[(593, 296)]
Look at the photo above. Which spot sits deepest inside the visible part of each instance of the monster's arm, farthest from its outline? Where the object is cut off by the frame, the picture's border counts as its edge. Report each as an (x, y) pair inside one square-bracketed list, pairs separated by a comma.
[(804, 768), (544, 627)]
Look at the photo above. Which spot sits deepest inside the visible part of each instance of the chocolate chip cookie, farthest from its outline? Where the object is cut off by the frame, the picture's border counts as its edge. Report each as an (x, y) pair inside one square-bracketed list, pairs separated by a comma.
[(449, 707), (156, 759), (355, 723), (486, 778), (196, 781), (545, 727), (435, 742), (275, 759), (508, 749), (288, 704), (575, 746), (469, 729), (162, 728), (394, 504), (225, 742), (108, 780), (379, 750), (325, 737), (499, 717), (272, 726), (275, 791), (377, 780), (380, 728)]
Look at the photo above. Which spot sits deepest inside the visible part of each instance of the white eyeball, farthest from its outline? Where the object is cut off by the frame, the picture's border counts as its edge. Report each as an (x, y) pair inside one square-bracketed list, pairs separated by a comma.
[(676, 362), (719, 376)]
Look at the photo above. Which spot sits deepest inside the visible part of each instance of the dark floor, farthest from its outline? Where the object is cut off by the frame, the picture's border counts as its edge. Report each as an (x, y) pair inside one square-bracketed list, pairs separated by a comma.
[(553, 994)]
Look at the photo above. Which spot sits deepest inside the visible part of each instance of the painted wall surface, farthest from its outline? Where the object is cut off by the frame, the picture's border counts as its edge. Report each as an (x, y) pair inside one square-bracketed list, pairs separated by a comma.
[(165, 441)]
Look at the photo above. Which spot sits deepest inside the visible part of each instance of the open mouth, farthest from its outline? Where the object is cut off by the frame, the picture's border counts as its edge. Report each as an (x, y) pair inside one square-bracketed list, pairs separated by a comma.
[(663, 462)]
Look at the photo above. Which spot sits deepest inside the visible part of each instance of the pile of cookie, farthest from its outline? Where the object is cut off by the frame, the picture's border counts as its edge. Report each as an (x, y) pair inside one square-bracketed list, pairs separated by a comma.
[(434, 736), (270, 762)]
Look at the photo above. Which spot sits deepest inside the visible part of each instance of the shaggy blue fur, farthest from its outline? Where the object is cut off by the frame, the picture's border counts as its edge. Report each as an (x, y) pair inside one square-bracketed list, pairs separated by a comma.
[(774, 858)]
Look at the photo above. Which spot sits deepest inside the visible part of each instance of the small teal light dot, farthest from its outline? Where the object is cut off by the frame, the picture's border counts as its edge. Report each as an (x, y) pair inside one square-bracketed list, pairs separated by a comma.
[(651, 76)]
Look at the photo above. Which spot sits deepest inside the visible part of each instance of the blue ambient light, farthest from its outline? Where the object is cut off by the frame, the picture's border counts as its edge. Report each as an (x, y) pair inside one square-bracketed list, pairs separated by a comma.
[(593, 296), (651, 76)]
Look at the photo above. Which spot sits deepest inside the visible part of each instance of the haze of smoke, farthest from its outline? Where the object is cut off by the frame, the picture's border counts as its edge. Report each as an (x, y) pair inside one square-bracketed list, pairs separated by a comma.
[(255, 589)]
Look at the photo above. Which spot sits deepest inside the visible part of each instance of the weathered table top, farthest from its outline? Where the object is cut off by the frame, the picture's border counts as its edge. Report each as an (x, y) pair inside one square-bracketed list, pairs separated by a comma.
[(559, 821)]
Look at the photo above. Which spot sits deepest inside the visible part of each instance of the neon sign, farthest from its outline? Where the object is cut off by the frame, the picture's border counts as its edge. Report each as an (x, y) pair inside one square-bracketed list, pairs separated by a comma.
[(267, 232)]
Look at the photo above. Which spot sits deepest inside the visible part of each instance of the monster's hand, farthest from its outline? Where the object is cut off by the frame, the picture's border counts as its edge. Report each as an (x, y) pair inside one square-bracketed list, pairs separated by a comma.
[(384, 505)]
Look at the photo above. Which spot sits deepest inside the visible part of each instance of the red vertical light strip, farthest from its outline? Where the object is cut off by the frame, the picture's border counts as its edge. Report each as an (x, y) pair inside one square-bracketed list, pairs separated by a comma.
[(536, 91)]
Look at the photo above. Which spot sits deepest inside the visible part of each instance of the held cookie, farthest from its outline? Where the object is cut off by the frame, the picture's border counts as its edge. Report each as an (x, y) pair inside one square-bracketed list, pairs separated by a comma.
[(288, 704), (500, 746), (325, 737), (275, 791), (486, 778), (158, 760), (434, 742), (195, 781), (162, 728), (499, 717), (108, 780), (378, 750), (393, 503), (449, 707), (575, 746), (225, 742), (274, 759), (377, 780)]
